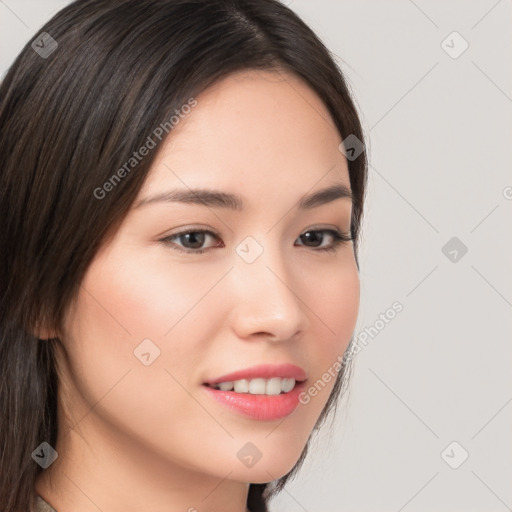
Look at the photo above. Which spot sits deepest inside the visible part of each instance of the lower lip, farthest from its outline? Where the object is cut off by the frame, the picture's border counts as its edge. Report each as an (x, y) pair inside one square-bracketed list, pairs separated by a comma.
[(260, 407)]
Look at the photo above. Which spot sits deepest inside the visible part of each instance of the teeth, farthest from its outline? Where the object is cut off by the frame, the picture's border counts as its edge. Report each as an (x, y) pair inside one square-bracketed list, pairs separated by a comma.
[(226, 386), (258, 386), (241, 386), (273, 386), (287, 385)]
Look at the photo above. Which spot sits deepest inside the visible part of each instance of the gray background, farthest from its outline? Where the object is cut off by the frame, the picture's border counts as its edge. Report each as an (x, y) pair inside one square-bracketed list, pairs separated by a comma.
[(439, 146)]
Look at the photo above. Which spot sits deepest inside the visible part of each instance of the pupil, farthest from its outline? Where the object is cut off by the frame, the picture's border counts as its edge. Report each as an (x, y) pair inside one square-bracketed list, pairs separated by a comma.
[(312, 235), (193, 236)]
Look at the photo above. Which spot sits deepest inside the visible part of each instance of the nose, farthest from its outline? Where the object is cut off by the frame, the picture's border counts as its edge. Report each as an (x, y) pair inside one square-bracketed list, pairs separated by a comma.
[(268, 298)]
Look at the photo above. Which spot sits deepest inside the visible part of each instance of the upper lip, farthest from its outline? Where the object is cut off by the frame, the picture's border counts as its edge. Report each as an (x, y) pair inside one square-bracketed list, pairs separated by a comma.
[(264, 371)]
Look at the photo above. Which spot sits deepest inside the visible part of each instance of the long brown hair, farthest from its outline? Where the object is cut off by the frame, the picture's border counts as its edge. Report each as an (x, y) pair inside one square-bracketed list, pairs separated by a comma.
[(74, 106)]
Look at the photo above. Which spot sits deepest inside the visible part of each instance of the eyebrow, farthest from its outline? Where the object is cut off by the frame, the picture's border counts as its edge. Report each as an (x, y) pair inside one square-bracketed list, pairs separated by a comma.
[(218, 199)]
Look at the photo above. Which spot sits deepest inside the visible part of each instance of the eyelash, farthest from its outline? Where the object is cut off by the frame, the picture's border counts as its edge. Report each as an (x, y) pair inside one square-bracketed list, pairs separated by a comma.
[(339, 238)]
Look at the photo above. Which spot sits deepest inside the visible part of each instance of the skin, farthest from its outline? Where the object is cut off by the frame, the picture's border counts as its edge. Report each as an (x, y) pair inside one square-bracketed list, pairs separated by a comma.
[(135, 437)]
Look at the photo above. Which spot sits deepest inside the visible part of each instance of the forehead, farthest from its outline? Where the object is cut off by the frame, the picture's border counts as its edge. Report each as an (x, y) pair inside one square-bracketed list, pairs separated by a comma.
[(264, 134)]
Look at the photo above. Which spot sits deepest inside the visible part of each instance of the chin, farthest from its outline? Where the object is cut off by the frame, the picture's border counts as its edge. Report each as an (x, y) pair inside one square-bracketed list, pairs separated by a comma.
[(264, 471)]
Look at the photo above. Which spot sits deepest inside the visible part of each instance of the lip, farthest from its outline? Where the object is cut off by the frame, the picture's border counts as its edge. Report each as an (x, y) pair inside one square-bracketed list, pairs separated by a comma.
[(259, 407), (264, 371)]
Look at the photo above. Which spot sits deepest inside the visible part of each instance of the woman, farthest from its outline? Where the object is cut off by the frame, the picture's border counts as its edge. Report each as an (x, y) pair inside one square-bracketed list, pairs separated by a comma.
[(180, 215)]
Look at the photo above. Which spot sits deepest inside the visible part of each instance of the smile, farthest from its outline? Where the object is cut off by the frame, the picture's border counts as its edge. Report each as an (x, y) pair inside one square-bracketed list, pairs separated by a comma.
[(265, 392), (258, 386)]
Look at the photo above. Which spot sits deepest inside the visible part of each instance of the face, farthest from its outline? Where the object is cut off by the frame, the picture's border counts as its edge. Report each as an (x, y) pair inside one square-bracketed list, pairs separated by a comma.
[(160, 313)]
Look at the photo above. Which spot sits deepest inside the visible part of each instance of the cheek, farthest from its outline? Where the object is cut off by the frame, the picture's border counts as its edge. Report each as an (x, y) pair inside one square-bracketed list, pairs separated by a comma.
[(341, 299), (334, 302), (133, 299), (118, 306), (343, 312), (122, 304)]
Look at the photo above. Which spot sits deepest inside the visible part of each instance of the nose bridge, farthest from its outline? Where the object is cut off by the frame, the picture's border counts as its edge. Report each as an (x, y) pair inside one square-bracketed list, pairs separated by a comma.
[(266, 300)]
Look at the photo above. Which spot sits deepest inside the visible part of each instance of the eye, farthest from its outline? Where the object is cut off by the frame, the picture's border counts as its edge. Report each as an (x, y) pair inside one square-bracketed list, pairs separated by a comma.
[(192, 240), (338, 238)]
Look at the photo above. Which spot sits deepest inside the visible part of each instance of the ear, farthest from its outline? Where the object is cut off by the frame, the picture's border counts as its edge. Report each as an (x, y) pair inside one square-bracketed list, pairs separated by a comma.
[(44, 332)]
